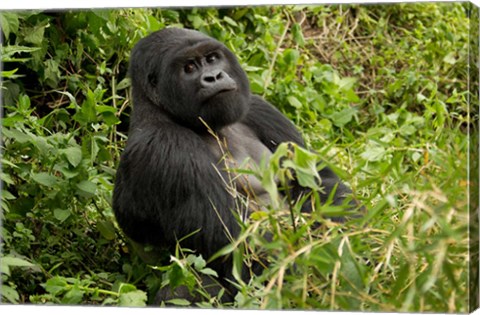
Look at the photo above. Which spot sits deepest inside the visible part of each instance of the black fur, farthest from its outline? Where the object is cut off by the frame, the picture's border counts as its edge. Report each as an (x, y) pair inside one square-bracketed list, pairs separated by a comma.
[(166, 185)]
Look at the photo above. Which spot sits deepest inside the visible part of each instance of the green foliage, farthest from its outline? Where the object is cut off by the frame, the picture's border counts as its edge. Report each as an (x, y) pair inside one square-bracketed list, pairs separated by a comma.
[(380, 92), (187, 269)]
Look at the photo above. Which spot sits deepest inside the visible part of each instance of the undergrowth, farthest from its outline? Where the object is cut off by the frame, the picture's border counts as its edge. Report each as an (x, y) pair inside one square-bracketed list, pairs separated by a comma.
[(380, 92)]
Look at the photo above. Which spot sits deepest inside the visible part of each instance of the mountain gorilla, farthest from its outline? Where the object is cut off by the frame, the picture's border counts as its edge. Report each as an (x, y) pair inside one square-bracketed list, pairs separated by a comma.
[(193, 117)]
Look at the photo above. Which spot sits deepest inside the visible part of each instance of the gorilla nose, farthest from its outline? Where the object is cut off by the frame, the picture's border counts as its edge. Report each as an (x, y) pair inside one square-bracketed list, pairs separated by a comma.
[(212, 77)]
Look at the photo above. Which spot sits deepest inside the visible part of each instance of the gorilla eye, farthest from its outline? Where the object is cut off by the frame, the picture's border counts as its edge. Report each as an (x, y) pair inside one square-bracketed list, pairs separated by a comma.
[(212, 57), (190, 67)]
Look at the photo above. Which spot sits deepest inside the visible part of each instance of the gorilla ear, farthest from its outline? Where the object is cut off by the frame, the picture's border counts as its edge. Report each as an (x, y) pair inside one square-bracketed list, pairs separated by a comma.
[(152, 79), (151, 88)]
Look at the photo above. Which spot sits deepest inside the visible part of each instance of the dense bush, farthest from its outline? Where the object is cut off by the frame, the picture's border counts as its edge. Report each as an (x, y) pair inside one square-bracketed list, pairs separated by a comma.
[(381, 91)]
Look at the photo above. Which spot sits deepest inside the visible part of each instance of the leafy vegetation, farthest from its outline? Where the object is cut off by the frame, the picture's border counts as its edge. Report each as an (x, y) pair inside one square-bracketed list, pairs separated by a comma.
[(380, 91)]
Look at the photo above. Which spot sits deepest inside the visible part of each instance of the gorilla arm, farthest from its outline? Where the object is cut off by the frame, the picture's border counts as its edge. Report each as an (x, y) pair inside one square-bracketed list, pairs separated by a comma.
[(273, 128), (166, 188), (270, 125)]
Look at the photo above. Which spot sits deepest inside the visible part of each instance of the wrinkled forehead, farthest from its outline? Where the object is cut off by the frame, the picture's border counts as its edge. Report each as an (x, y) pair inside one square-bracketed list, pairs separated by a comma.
[(191, 46), (197, 49)]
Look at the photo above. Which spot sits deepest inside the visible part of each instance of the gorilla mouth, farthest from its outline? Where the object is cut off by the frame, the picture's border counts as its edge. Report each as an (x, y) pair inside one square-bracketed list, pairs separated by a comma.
[(218, 93), (223, 91)]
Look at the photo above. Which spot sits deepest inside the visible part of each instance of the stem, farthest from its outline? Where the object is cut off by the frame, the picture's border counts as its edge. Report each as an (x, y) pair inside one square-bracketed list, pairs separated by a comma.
[(275, 55), (290, 207)]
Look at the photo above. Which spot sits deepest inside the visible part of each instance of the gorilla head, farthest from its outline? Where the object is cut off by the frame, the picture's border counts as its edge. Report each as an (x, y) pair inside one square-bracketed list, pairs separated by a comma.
[(191, 77)]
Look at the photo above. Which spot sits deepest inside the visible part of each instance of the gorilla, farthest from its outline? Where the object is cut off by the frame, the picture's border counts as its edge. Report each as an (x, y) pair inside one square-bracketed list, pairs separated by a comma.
[(194, 118)]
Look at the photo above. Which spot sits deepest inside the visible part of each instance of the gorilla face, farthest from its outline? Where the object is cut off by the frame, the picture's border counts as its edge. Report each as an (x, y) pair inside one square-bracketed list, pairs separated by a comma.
[(192, 77)]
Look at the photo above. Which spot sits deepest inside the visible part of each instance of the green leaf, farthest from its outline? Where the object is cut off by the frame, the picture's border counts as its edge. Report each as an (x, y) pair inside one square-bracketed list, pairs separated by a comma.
[(10, 261), (450, 58), (346, 83), (63, 168), (227, 249), (352, 272), (154, 24), (9, 51), (45, 179), (101, 13), (87, 112), (401, 279), (10, 74), (52, 72), (89, 107), (56, 285), (133, 298), (343, 117), (73, 101), (126, 287), (421, 97), (125, 83), (230, 21), (73, 155), (238, 263), (291, 56), (196, 20), (323, 260), (209, 272), (42, 145), (257, 84), (106, 229), (304, 163), (73, 296), (374, 211), (61, 214), (258, 215), (178, 302), (10, 294), (198, 262), (407, 130), (294, 101), (87, 189), (110, 118), (17, 135), (297, 34), (6, 195), (373, 153), (9, 23), (35, 35)]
